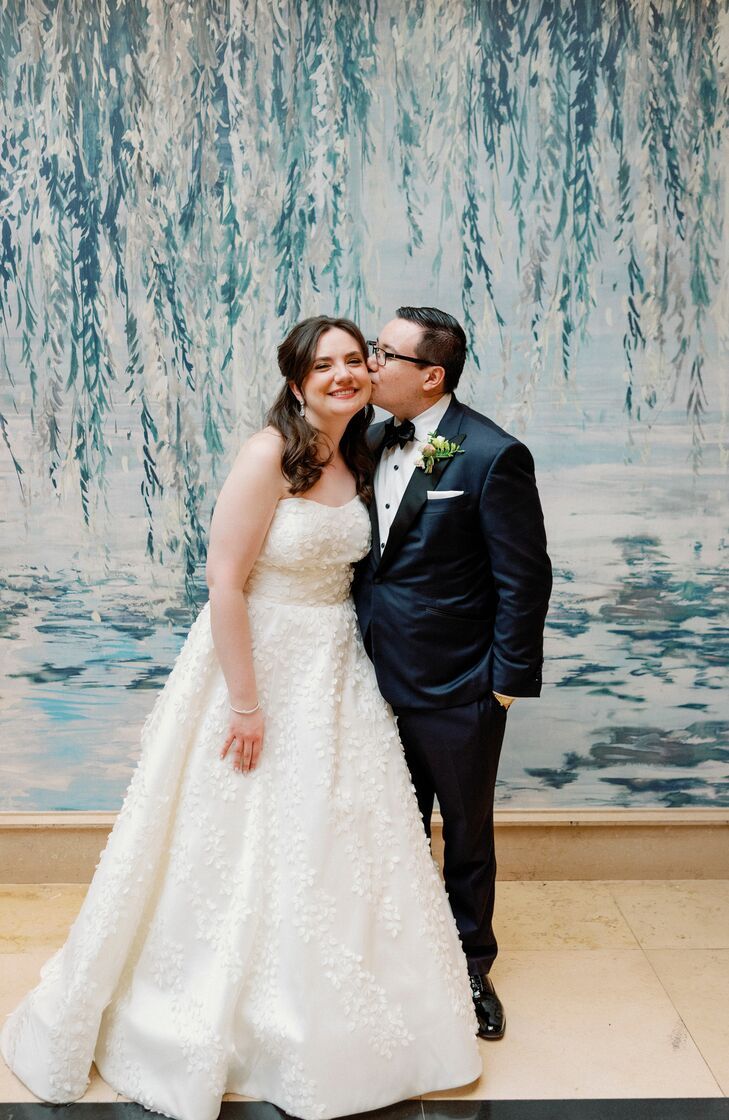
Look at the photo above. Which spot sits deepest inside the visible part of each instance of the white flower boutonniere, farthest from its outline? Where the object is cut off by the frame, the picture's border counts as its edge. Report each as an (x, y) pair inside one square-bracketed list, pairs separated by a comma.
[(437, 447)]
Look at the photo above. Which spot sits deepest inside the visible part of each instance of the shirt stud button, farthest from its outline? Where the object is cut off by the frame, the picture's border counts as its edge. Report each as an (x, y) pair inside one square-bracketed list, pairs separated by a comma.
[(396, 468), (387, 505)]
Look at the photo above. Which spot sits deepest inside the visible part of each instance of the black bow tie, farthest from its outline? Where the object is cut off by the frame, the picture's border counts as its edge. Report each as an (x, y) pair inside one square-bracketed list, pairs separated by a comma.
[(398, 434)]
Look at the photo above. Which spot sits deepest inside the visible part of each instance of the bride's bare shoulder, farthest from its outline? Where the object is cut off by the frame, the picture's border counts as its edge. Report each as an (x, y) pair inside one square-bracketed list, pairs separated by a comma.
[(266, 445), (260, 454), (267, 442)]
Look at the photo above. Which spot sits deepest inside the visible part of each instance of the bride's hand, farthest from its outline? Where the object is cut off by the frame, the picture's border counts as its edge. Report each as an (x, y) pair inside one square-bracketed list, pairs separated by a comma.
[(245, 736)]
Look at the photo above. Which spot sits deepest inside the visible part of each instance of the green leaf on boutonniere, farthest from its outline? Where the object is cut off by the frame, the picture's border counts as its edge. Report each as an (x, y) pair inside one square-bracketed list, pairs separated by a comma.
[(436, 448)]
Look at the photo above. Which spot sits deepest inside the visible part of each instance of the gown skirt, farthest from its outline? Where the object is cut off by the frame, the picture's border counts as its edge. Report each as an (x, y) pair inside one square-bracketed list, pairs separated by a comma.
[(282, 934)]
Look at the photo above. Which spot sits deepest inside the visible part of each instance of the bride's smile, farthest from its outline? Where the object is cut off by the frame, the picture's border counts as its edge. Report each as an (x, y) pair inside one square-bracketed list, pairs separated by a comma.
[(338, 383)]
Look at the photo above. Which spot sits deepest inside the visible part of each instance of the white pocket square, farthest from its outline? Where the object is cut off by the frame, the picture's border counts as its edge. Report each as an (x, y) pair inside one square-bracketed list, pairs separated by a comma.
[(437, 494)]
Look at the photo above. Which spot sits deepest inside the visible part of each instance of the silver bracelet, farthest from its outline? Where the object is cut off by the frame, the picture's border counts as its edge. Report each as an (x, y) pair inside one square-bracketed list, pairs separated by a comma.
[(245, 711)]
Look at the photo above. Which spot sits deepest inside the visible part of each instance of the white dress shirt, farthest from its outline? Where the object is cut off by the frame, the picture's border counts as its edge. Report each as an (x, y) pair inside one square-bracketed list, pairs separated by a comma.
[(396, 466)]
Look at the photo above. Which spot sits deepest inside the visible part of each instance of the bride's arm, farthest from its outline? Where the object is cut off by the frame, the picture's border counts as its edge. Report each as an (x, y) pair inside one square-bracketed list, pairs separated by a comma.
[(243, 513)]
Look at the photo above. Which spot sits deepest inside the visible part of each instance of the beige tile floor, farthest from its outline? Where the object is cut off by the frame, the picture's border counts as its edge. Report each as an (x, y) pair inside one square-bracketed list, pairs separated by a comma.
[(612, 989)]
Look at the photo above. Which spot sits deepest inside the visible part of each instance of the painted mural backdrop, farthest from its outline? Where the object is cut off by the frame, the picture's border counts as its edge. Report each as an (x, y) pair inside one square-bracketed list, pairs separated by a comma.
[(180, 180)]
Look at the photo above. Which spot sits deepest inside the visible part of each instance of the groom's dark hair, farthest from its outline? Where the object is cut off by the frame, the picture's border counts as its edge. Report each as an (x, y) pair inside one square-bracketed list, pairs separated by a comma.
[(443, 341)]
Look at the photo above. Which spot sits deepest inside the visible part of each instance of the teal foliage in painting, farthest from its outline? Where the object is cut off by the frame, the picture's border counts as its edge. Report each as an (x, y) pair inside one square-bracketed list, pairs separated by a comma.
[(180, 181)]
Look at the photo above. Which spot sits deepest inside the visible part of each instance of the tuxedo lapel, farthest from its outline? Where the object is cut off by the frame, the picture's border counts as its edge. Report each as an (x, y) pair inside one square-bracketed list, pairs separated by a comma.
[(376, 445), (416, 493), (376, 439), (375, 523)]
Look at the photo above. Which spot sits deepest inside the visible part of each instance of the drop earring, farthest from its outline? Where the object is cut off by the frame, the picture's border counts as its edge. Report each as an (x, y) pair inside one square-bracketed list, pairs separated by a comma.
[(300, 402)]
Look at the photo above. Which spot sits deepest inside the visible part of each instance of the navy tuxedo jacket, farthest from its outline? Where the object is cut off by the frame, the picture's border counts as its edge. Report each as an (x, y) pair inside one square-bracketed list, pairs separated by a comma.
[(455, 605)]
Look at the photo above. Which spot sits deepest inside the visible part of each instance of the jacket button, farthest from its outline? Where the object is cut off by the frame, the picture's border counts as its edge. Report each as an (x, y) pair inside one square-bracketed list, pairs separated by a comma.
[(377, 579)]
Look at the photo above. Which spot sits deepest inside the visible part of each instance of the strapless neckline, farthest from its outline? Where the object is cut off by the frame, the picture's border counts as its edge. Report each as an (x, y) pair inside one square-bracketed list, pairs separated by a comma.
[(313, 502)]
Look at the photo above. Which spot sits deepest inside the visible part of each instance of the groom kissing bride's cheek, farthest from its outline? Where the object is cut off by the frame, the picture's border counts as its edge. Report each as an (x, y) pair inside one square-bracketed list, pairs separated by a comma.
[(451, 603)]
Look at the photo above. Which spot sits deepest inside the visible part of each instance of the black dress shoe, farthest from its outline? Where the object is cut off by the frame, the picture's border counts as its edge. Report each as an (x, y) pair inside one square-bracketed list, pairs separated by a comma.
[(489, 1010)]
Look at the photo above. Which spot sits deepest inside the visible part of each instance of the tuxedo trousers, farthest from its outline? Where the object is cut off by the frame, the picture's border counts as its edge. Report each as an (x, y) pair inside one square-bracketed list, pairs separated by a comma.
[(453, 754)]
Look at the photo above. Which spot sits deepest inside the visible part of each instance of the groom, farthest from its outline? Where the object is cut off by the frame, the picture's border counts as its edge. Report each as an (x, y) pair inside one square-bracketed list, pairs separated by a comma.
[(451, 602)]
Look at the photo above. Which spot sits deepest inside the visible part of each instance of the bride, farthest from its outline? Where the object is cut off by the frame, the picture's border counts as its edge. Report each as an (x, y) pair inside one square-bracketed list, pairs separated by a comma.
[(266, 918)]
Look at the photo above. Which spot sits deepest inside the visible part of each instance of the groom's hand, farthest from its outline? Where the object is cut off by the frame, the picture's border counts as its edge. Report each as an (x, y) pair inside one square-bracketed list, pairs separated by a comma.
[(505, 701)]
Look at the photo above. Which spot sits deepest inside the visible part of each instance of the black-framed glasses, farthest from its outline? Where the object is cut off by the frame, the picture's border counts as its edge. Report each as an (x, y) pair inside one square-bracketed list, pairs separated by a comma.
[(383, 355)]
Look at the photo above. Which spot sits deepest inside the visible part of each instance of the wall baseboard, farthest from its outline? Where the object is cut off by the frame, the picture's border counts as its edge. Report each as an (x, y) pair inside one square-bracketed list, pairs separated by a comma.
[(533, 844)]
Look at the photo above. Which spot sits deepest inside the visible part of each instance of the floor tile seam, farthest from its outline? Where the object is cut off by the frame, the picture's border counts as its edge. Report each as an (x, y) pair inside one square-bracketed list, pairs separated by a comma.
[(503, 949), (627, 921), (611, 883), (607, 885), (685, 948), (628, 926), (616, 884), (688, 1030), (688, 948)]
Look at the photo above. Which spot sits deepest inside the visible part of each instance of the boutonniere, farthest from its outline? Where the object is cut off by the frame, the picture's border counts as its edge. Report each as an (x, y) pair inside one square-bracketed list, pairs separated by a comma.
[(437, 447)]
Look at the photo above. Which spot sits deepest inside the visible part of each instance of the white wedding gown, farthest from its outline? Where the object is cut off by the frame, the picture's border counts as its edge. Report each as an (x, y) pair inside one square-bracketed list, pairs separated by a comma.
[(283, 934)]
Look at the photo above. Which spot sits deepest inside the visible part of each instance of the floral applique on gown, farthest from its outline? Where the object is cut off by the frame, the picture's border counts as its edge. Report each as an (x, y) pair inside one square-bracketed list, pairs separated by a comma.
[(284, 934)]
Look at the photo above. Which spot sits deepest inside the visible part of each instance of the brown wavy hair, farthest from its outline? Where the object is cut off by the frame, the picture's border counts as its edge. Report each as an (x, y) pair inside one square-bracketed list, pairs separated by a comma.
[(302, 462)]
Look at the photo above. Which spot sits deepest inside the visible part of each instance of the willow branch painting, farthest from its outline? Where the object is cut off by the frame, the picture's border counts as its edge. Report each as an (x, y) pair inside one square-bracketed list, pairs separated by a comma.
[(180, 180)]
